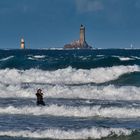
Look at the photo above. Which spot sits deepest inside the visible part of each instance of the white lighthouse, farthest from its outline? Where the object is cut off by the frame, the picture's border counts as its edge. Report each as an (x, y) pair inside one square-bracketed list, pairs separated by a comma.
[(22, 43)]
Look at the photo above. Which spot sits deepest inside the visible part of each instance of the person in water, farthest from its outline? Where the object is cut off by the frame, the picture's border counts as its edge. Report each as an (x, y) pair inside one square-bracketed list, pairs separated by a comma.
[(39, 95)]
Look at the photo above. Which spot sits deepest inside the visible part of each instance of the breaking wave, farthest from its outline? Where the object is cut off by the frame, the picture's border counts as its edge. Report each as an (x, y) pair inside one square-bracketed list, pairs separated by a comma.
[(94, 92), (94, 133), (69, 111), (82, 92), (65, 76)]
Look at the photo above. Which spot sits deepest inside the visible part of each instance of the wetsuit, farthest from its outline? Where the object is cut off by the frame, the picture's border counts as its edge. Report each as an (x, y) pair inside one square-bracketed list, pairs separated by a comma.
[(40, 99)]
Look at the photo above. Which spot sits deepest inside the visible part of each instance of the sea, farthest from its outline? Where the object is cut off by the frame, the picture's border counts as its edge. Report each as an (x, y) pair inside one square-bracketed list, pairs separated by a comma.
[(89, 94)]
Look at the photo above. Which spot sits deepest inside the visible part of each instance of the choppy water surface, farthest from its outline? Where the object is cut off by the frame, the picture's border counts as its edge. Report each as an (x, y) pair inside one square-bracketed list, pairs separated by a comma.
[(89, 94)]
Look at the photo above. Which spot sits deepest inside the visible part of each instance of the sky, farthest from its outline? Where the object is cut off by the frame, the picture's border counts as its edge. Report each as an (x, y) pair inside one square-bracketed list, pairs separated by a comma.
[(54, 23)]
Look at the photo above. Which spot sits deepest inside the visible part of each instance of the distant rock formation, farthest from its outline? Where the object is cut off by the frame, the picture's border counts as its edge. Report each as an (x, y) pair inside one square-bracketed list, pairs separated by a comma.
[(79, 44)]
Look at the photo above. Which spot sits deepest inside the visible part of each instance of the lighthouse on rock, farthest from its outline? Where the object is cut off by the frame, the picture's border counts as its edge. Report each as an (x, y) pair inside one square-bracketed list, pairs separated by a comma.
[(82, 35), (22, 43), (80, 43)]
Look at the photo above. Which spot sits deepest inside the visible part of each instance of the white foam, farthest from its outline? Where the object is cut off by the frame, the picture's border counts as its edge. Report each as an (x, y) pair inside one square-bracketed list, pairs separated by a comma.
[(135, 57), (36, 57), (31, 58), (94, 92), (7, 58), (84, 92), (65, 76), (70, 111), (51, 48), (95, 132), (39, 56), (83, 57), (99, 55), (124, 58)]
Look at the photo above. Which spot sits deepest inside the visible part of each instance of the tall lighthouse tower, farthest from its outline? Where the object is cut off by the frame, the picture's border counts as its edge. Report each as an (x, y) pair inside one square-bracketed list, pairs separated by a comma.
[(22, 43), (82, 35)]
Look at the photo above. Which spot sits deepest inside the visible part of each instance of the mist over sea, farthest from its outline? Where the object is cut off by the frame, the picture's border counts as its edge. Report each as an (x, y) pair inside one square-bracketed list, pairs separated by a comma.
[(89, 94)]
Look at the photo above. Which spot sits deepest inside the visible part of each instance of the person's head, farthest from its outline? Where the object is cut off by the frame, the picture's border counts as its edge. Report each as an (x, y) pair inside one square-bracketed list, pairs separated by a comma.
[(39, 90)]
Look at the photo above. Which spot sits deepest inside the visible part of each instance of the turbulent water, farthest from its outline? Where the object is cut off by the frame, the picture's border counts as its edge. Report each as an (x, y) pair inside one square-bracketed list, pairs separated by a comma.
[(89, 94)]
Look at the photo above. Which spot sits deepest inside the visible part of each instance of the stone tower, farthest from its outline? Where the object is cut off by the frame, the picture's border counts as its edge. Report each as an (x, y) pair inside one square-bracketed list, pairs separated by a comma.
[(82, 35), (22, 43)]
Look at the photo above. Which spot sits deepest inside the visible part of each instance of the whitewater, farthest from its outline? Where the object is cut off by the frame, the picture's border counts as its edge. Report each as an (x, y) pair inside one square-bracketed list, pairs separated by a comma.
[(89, 94)]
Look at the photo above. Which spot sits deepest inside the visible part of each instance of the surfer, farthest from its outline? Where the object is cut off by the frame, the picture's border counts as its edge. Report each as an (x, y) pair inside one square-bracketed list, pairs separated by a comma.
[(39, 95)]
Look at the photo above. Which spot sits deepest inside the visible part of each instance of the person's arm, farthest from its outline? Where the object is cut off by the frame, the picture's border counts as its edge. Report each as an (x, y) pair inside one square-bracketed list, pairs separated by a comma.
[(41, 94)]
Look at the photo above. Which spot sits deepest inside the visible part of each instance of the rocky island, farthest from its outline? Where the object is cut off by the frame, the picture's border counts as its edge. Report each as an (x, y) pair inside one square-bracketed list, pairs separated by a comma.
[(79, 44)]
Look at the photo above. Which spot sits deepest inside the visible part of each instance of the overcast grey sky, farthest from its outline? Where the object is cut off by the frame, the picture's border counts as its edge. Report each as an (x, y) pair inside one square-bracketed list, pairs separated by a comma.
[(52, 23)]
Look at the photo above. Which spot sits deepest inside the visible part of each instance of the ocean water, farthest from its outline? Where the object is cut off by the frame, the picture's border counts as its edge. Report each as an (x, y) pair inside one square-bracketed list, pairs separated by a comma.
[(89, 94)]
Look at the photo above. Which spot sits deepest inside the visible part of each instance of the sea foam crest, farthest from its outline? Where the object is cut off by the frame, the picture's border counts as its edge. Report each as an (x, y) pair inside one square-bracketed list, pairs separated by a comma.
[(109, 92), (94, 133), (65, 76), (36, 57), (7, 58), (124, 58), (69, 111), (39, 56)]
